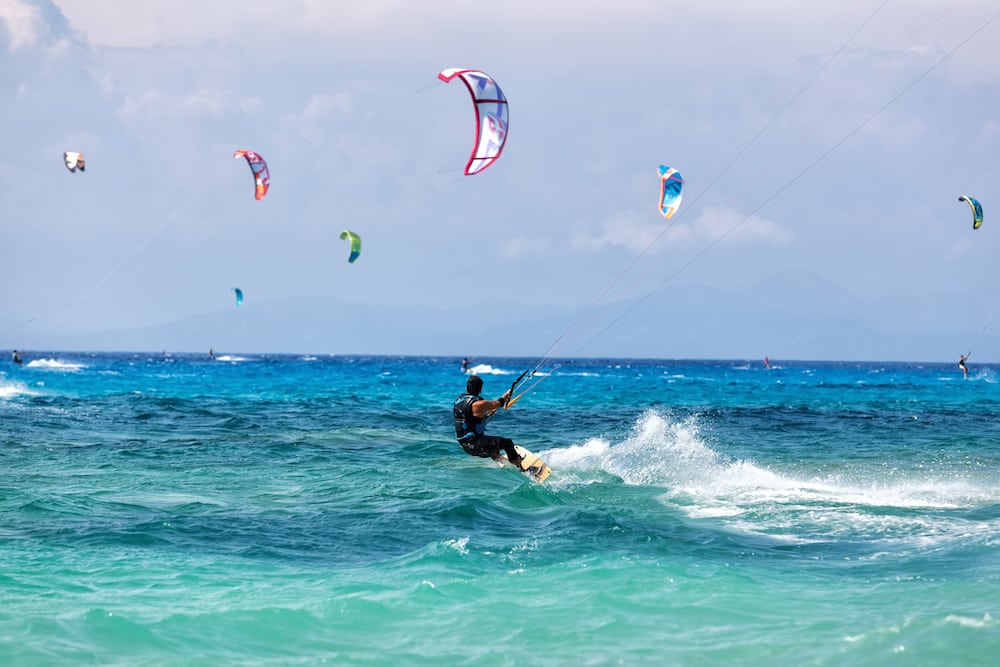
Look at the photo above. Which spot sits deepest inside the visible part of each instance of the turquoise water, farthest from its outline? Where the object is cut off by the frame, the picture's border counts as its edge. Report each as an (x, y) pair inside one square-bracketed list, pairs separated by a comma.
[(287, 510)]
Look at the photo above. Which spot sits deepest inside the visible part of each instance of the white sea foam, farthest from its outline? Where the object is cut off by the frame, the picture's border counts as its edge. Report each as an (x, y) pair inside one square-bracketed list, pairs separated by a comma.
[(582, 456), (748, 497), (11, 388), (985, 622), (986, 375), (461, 544), (486, 369), (55, 364)]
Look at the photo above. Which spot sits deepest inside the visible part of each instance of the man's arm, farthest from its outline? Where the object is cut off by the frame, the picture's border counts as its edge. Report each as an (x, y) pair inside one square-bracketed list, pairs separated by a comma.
[(482, 408)]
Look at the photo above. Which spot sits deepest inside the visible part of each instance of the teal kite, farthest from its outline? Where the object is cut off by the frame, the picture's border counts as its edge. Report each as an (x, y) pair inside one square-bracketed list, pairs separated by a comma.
[(671, 184), (355, 244), (239, 296), (977, 210)]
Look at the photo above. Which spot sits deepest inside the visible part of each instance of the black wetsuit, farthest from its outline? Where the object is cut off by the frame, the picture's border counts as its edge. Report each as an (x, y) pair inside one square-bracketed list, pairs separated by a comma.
[(471, 431)]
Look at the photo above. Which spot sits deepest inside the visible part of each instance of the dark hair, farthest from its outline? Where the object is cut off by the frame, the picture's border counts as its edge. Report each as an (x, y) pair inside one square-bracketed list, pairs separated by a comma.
[(474, 385)]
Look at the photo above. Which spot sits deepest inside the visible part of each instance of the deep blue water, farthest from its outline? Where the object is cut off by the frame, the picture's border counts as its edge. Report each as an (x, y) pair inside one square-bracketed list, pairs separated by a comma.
[(269, 509)]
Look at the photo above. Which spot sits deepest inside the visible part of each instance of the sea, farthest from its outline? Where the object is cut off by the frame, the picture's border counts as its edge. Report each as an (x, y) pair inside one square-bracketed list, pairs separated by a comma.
[(258, 509)]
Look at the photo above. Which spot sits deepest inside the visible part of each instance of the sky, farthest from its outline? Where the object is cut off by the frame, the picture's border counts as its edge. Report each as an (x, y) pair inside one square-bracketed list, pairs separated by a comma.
[(823, 145)]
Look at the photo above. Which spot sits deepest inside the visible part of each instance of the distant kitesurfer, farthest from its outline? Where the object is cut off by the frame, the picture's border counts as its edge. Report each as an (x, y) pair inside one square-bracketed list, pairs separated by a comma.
[(961, 364), (211, 353), (767, 363), (465, 365), (16, 358), (471, 411)]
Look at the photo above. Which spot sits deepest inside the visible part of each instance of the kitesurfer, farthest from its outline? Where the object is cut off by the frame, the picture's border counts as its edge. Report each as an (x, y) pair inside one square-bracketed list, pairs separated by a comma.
[(471, 411), (16, 358), (211, 353), (961, 364), (465, 365)]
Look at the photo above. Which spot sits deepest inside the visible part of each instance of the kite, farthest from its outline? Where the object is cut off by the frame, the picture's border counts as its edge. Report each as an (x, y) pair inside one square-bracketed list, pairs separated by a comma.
[(239, 296), (74, 161), (491, 116), (261, 176), (977, 210), (355, 244), (671, 184)]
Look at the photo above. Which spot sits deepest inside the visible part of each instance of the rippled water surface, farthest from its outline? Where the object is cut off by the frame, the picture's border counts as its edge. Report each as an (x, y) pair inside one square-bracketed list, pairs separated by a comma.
[(296, 510)]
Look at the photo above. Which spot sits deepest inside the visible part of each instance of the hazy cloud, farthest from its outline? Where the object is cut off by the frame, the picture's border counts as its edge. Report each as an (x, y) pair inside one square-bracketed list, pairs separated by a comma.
[(524, 248), (631, 230), (23, 23), (153, 104)]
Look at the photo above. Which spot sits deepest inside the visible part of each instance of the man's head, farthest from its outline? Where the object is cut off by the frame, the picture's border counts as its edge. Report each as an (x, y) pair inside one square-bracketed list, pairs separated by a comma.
[(474, 385)]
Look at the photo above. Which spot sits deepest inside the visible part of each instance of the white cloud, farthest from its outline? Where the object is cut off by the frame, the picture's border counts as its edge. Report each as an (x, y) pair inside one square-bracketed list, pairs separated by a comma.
[(626, 229), (635, 232), (524, 248), (896, 133), (318, 111), (23, 22), (324, 105), (198, 104), (105, 82), (715, 223), (144, 23), (923, 49)]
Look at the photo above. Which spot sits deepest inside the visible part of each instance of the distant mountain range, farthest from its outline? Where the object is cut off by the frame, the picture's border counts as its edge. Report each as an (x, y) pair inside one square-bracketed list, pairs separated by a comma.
[(789, 316)]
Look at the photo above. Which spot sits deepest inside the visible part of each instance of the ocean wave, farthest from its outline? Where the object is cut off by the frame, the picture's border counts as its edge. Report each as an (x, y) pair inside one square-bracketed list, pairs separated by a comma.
[(922, 510), (10, 389)]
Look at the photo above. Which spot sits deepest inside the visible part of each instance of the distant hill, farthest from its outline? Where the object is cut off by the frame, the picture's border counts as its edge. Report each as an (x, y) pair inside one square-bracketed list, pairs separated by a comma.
[(790, 316)]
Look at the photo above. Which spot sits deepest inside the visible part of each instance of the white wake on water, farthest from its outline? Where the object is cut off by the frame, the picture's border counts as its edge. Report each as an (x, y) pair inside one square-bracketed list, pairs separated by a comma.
[(704, 484), (486, 369), (658, 452), (55, 364)]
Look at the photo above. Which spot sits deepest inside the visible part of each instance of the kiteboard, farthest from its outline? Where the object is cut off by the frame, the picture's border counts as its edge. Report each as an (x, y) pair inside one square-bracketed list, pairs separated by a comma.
[(531, 465)]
